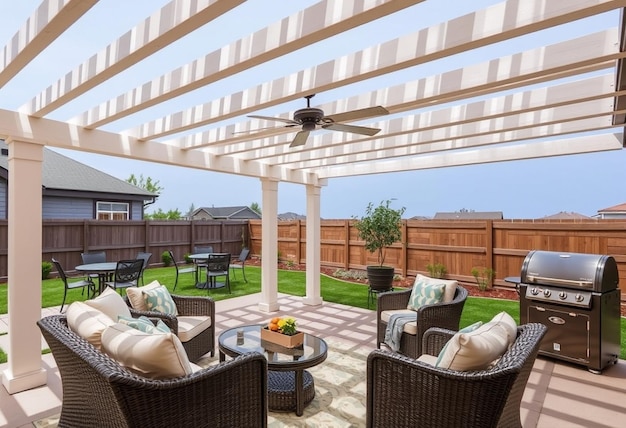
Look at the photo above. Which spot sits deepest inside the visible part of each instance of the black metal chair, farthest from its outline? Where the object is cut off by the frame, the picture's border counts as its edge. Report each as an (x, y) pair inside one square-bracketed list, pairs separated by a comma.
[(240, 263), (81, 283), (127, 273), (181, 270), (146, 259), (218, 265), (94, 257)]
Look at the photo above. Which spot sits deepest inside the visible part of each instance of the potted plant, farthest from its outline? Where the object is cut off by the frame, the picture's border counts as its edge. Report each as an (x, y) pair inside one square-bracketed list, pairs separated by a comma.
[(380, 228)]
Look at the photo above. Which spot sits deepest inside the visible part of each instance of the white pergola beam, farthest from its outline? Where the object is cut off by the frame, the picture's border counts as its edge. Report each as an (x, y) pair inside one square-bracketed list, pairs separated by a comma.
[(580, 55), (577, 145), (53, 133), (173, 21), (324, 19), (48, 22), (478, 29)]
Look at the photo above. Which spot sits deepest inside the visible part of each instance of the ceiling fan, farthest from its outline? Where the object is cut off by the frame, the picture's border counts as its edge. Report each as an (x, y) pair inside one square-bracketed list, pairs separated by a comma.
[(313, 118)]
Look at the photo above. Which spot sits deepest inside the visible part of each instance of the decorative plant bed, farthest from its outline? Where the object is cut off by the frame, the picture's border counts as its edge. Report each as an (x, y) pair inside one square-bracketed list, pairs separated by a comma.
[(282, 339)]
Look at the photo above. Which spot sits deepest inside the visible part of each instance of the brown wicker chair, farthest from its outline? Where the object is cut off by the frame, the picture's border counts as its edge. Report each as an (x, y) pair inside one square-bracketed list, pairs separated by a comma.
[(443, 315), (404, 392), (98, 392), (201, 344)]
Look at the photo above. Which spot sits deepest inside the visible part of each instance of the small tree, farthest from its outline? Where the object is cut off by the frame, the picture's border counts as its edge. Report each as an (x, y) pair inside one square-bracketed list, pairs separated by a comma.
[(380, 227)]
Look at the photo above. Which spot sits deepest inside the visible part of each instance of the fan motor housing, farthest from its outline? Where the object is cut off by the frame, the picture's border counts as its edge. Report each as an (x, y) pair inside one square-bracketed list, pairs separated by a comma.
[(308, 115)]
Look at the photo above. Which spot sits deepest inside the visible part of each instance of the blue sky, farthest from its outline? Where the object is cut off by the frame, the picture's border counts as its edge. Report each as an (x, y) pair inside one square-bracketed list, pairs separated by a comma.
[(521, 189)]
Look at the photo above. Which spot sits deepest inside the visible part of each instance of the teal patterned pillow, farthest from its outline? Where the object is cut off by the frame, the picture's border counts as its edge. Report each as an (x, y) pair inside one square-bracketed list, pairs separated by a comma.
[(144, 324), (159, 299), (425, 294)]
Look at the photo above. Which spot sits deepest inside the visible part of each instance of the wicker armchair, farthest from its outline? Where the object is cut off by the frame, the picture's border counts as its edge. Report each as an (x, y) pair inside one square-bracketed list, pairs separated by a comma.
[(98, 392), (443, 315), (404, 392), (202, 343)]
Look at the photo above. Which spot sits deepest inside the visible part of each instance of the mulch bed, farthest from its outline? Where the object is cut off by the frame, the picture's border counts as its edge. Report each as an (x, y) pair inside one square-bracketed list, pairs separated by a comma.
[(495, 292)]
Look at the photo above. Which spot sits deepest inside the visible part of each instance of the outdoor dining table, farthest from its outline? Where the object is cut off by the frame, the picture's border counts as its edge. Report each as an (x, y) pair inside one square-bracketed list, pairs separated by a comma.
[(204, 258), (104, 271)]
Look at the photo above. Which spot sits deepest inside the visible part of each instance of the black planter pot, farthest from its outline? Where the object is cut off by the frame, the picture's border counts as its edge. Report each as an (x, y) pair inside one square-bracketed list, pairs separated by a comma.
[(380, 278)]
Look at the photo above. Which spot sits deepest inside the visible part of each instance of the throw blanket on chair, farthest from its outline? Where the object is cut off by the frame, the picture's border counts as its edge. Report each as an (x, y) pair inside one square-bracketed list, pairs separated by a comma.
[(393, 333)]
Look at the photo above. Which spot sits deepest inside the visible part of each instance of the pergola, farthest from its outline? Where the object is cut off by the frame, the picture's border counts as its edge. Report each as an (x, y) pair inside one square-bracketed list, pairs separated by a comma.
[(561, 96)]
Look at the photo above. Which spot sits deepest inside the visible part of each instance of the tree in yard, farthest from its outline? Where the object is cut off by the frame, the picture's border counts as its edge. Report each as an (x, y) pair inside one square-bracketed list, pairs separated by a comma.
[(162, 215), (254, 206), (190, 211), (148, 184)]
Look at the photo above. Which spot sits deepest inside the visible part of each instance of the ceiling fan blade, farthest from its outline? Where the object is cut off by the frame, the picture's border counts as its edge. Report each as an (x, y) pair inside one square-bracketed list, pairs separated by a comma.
[(362, 130), (300, 139), (275, 119), (363, 113)]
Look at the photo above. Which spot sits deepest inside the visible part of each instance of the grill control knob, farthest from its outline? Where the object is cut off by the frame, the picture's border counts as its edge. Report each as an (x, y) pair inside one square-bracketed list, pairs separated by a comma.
[(534, 291), (579, 298), (546, 293), (562, 295)]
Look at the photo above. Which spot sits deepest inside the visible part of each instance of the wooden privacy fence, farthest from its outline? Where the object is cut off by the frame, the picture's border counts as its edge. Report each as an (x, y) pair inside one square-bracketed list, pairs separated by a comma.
[(459, 245), (500, 245), (66, 239)]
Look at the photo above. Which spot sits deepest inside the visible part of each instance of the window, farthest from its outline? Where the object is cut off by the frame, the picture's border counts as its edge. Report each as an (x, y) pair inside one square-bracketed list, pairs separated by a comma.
[(111, 211)]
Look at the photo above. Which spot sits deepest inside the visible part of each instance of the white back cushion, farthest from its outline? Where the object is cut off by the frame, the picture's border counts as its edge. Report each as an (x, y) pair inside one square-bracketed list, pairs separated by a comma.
[(87, 322), (110, 303)]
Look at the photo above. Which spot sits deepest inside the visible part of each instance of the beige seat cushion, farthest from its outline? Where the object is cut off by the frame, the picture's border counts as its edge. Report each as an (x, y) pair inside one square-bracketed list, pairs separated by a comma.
[(155, 356), (410, 327), (431, 360), (87, 322), (190, 326), (110, 303), (450, 289), (135, 296), (475, 350)]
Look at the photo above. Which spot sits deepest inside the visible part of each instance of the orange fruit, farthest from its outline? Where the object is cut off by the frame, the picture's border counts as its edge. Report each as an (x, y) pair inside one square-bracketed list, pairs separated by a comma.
[(273, 326), (275, 320)]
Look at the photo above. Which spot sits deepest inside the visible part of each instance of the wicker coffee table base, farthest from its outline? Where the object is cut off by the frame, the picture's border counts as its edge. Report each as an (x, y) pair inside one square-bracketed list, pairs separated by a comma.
[(281, 390)]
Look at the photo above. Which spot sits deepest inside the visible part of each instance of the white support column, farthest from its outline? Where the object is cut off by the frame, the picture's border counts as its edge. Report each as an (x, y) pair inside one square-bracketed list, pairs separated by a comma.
[(313, 226), (269, 247), (24, 268)]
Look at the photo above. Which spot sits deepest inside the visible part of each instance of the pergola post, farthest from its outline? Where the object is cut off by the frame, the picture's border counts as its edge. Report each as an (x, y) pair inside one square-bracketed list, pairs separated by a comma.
[(269, 246), (24, 267), (313, 227)]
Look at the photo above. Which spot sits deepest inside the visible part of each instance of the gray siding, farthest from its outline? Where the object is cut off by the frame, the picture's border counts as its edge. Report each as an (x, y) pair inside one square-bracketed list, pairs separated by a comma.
[(67, 208), (136, 209), (3, 199)]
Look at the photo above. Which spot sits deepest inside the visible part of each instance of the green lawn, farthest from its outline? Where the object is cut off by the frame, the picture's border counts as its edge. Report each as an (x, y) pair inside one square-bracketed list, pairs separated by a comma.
[(289, 282)]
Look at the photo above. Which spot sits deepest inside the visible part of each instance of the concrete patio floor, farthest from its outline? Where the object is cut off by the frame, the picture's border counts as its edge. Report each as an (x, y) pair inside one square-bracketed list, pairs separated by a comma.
[(557, 395)]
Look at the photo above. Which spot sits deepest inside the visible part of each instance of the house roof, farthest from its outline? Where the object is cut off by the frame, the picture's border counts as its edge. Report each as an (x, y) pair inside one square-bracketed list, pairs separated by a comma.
[(507, 81), (564, 215), (62, 173), (291, 216), (469, 215), (228, 212), (615, 208)]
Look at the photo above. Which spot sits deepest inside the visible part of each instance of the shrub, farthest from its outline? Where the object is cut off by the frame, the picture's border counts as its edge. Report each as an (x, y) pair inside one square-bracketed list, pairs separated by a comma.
[(166, 258), (187, 258), (436, 270), (46, 267), (484, 276)]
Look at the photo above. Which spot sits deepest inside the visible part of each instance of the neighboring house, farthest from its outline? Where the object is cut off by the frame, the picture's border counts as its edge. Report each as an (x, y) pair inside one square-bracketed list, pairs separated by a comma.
[(564, 215), (289, 216), (72, 190), (224, 213), (617, 211), (469, 215)]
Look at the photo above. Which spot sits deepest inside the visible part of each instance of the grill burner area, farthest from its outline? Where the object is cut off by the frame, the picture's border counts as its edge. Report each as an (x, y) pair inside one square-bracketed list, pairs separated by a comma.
[(576, 296)]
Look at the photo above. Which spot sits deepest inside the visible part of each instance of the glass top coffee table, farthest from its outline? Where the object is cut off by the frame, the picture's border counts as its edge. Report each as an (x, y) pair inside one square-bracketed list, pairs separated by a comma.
[(290, 386)]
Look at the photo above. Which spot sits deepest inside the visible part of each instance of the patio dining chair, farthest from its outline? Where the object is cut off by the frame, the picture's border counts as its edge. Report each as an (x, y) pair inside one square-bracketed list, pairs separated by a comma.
[(94, 257), (192, 269), (218, 266), (239, 263), (127, 273), (146, 259), (81, 283)]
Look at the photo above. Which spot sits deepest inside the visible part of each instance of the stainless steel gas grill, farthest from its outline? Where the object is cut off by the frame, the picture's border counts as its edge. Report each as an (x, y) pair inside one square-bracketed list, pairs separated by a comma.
[(577, 297)]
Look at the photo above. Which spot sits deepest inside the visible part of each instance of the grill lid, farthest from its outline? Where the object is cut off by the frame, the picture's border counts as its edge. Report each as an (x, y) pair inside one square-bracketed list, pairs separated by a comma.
[(572, 270)]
